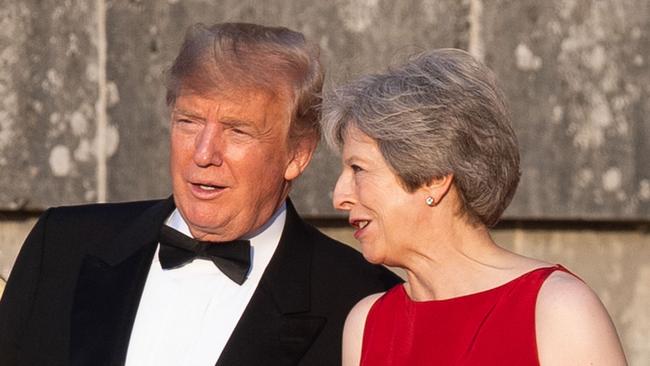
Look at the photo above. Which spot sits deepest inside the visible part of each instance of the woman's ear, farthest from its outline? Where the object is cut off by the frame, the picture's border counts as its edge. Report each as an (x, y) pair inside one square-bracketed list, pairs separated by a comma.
[(437, 189)]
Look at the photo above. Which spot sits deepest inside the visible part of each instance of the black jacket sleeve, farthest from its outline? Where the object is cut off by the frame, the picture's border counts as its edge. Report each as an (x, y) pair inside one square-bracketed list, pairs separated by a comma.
[(18, 296)]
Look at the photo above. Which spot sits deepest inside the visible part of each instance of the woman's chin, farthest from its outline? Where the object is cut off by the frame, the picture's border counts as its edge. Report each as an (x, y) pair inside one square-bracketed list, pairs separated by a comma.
[(373, 258)]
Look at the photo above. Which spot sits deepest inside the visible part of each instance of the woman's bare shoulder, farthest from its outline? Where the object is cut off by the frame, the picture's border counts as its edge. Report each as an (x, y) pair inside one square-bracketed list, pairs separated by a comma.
[(354, 328), (356, 319), (573, 326)]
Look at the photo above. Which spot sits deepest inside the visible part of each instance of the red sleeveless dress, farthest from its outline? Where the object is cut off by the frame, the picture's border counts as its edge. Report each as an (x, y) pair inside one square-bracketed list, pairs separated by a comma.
[(492, 327)]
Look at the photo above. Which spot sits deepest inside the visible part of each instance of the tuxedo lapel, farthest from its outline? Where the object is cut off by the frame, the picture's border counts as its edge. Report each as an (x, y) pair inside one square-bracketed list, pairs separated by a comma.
[(109, 287), (277, 326), (104, 308)]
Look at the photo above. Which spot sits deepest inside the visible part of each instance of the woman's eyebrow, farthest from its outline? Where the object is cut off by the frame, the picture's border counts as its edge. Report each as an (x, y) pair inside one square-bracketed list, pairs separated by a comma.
[(353, 159)]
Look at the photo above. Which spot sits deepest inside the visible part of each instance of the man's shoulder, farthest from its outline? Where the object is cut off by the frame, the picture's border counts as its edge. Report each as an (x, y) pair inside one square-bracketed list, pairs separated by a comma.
[(128, 207), (98, 219), (339, 261), (105, 212), (329, 248)]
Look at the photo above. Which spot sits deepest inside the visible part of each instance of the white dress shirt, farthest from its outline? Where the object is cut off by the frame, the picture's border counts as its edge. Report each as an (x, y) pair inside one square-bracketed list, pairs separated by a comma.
[(186, 315)]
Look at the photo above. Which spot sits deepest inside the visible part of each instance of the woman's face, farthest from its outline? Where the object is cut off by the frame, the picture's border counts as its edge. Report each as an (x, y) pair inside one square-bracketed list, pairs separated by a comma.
[(384, 215)]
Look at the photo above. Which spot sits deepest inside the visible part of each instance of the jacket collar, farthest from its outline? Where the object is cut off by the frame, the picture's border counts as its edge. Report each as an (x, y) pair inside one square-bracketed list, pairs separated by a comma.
[(279, 323), (142, 231), (287, 277)]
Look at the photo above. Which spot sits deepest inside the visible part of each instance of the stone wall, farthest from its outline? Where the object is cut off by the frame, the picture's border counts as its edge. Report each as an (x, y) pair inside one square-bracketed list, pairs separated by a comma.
[(82, 115), (83, 118)]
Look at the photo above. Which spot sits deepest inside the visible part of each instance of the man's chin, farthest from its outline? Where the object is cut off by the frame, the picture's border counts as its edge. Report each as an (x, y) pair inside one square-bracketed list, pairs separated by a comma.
[(213, 233), (205, 226)]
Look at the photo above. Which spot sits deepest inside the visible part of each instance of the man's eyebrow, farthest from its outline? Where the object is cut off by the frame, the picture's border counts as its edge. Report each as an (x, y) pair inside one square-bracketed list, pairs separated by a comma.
[(187, 113), (236, 121)]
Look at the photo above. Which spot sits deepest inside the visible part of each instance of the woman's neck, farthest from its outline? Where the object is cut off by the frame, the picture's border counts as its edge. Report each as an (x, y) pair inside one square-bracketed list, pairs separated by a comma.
[(460, 260)]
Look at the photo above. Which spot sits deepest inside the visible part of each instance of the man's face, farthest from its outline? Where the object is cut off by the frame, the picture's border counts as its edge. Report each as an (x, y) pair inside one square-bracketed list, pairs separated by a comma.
[(231, 162)]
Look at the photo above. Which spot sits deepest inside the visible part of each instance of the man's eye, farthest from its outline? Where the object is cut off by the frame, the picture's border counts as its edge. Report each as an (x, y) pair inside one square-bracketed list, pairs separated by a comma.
[(236, 131)]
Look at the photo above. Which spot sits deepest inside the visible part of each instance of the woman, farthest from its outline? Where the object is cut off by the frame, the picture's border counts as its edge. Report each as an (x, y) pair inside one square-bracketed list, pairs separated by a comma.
[(430, 162)]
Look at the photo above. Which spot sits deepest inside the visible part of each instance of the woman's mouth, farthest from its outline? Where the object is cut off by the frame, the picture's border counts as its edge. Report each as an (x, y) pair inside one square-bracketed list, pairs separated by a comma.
[(360, 225)]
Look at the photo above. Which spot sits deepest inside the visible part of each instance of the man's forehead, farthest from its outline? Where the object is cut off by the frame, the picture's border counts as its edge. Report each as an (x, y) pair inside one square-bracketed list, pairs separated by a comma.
[(243, 104), (234, 95)]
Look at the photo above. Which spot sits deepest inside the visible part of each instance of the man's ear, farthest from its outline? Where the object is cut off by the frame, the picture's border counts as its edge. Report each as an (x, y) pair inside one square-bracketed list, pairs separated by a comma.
[(301, 155), (438, 187)]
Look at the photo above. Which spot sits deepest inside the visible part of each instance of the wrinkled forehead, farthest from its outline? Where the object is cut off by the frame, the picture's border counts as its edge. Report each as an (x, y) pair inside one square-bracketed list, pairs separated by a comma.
[(211, 79), (256, 106), (244, 97)]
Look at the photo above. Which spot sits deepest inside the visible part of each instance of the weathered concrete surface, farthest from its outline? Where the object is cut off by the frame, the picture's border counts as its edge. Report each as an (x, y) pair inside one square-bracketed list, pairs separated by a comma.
[(346, 30), (614, 262), (576, 72), (47, 103), (578, 77), (136, 108)]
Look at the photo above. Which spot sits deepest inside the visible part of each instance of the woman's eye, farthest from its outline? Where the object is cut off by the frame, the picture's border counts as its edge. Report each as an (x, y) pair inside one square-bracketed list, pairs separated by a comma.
[(356, 168)]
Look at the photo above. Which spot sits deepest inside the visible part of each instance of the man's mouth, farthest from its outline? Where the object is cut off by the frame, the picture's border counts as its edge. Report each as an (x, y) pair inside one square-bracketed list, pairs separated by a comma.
[(208, 187), (207, 190)]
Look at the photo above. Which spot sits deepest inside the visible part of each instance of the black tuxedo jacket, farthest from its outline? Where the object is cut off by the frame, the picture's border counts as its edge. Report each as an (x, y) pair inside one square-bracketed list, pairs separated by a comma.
[(74, 291)]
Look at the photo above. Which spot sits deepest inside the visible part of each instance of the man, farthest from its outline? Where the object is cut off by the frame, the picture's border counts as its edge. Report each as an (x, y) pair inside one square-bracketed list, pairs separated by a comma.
[(114, 284)]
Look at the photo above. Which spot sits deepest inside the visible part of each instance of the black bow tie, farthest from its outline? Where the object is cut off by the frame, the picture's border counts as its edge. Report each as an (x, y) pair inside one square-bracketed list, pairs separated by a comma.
[(233, 258)]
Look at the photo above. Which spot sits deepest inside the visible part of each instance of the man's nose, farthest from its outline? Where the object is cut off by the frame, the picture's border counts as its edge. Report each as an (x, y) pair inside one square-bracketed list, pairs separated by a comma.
[(209, 146), (343, 198)]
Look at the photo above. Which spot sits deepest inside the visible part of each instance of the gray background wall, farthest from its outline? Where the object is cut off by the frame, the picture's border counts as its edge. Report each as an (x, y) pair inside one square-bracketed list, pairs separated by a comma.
[(82, 114)]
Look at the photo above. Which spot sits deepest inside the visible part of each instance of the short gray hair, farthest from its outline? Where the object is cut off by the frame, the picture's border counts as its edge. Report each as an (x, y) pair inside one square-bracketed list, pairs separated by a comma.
[(439, 113)]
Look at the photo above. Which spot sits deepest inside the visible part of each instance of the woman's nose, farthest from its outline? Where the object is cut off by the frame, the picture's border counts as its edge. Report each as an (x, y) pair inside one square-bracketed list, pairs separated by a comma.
[(343, 198)]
